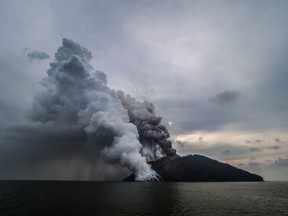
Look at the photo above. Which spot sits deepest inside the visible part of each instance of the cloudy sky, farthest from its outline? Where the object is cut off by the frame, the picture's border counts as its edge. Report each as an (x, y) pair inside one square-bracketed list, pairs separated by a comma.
[(216, 72)]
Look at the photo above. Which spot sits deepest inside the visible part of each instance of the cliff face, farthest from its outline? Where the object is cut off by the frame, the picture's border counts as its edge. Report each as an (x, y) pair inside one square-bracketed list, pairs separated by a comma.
[(197, 168)]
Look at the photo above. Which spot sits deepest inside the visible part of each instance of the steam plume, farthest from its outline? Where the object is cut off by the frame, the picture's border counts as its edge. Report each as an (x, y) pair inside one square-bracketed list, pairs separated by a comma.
[(77, 96)]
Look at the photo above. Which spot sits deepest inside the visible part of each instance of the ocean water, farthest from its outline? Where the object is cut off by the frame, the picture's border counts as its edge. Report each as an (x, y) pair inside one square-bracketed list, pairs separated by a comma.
[(136, 198)]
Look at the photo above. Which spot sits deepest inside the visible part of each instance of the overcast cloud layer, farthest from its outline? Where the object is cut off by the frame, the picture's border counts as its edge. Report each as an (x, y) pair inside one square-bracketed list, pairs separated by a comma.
[(216, 72)]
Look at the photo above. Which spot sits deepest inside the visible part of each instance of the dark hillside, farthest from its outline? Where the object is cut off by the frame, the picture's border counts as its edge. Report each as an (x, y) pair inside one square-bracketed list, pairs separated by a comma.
[(197, 168)]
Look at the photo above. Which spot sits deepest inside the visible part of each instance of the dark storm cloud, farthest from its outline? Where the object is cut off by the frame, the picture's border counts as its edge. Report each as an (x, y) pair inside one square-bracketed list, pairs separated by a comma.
[(37, 143), (36, 55), (226, 97), (37, 151), (26, 149)]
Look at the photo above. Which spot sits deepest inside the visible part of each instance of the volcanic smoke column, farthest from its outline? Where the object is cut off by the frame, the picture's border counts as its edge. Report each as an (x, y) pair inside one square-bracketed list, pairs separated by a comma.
[(154, 137), (75, 95)]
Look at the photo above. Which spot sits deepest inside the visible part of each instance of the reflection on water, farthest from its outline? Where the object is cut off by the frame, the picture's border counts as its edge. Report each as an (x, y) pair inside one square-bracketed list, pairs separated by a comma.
[(128, 198)]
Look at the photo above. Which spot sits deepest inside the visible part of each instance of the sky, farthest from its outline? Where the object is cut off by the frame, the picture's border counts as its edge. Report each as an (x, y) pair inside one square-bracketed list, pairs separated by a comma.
[(216, 72)]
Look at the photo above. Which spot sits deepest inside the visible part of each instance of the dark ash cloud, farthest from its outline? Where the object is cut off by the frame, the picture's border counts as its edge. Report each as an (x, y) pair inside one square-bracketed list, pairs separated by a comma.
[(152, 134)]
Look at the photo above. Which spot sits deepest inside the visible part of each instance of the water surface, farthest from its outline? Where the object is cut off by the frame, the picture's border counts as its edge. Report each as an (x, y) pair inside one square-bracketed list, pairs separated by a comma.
[(134, 198)]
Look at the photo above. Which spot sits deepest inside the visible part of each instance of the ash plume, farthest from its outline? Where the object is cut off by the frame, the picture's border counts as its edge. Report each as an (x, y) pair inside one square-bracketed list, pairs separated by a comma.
[(76, 96), (153, 136)]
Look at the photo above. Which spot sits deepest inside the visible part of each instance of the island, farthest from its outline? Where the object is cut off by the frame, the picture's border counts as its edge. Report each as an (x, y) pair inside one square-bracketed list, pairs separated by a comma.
[(197, 168)]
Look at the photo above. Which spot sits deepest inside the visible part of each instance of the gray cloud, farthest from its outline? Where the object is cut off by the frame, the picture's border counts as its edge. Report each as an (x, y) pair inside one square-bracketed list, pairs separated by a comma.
[(226, 152), (37, 55), (274, 147), (253, 164), (281, 162), (255, 141), (180, 143), (227, 97), (277, 140), (134, 43), (253, 149), (220, 151)]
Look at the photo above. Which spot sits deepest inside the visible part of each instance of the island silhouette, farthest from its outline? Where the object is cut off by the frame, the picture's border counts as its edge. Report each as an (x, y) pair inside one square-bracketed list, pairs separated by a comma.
[(197, 168)]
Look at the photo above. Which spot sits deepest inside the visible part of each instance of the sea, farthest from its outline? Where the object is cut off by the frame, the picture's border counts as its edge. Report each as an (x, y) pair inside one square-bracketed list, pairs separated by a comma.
[(142, 198)]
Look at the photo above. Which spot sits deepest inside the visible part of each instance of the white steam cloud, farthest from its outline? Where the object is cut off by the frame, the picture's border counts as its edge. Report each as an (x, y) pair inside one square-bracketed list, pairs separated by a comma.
[(77, 96)]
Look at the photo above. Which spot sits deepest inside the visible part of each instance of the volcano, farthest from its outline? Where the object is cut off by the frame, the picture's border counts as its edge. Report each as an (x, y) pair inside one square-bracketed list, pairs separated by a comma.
[(197, 168)]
